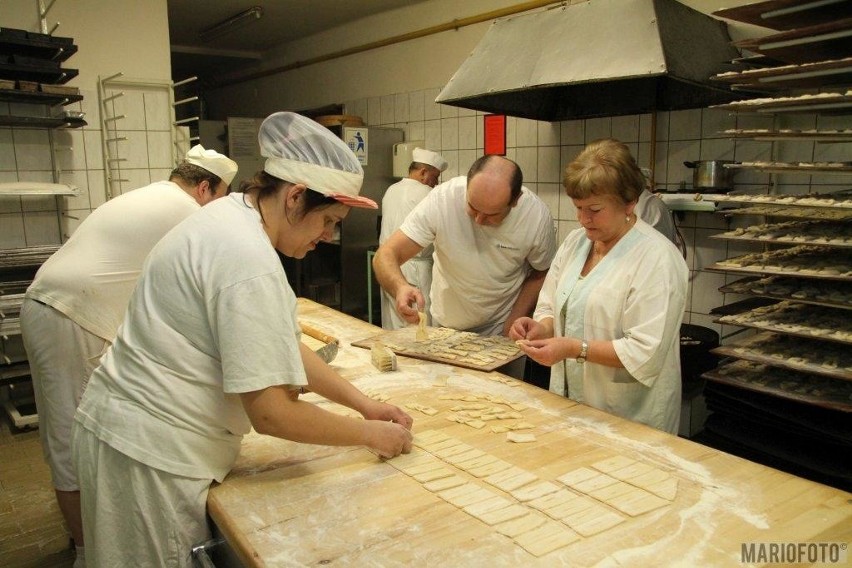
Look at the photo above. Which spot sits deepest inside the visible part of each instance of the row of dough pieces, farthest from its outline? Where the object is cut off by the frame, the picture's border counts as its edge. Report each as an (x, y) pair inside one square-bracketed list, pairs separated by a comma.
[(796, 318), (796, 231), (794, 288), (476, 414), (792, 351), (629, 486), (812, 200), (758, 374)]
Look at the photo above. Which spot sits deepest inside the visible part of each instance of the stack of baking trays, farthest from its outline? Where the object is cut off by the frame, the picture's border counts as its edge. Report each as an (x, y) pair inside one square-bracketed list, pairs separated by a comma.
[(17, 268), (784, 391)]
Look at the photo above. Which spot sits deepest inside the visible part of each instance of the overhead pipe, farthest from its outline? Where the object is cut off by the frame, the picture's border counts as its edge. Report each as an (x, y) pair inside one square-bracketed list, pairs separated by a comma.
[(432, 30)]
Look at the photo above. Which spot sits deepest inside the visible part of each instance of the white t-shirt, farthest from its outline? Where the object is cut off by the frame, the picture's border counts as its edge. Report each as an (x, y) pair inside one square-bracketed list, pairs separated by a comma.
[(213, 316), (479, 270), (635, 298), (90, 278)]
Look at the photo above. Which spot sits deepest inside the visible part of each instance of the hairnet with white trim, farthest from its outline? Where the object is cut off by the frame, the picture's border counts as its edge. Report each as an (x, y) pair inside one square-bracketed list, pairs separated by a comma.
[(300, 150)]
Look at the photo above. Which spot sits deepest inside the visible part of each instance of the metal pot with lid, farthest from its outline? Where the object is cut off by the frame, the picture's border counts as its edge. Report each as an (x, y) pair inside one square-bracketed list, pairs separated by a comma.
[(712, 174)]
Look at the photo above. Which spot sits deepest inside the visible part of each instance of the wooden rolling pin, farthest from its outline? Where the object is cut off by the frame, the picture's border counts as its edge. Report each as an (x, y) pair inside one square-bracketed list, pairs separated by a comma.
[(317, 334)]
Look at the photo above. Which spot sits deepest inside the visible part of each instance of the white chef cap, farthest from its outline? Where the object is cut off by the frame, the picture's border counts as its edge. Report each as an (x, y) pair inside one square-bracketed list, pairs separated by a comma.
[(429, 157), (213, 162), (300, 150)]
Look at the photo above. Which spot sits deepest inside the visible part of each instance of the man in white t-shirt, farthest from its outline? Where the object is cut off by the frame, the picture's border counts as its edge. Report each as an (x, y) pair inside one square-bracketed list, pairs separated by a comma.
[(398, 202), (72, 310), (494, 242)]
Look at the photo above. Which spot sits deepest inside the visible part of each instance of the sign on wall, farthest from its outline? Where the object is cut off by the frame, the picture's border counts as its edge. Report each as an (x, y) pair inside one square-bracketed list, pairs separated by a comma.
[(356, 139)]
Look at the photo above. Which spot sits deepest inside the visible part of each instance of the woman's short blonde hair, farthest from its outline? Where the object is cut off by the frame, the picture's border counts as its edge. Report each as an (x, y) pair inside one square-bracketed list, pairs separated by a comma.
[(605, 166)]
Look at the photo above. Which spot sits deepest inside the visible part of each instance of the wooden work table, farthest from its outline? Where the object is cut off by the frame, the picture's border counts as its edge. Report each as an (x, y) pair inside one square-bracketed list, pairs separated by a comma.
[(288, 504)]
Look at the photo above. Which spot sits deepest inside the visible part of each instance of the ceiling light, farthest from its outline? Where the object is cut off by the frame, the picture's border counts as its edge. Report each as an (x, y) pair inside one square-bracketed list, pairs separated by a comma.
[(231, 23)]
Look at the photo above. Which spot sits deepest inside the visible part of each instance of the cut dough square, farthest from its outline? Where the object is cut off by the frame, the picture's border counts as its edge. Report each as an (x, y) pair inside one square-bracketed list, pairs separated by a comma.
[(458, 490), (473, 453), (448, 443), (573, 506), (519, 526), (500, 476), (429, 436), (461, 448), (515, 482), (614, 463), (444, 483), (667, 489), (602, 480), (648, 479), (478, 424), (631, 471), (547, 538), (431, 465), (520, 437), (552, 500), (418, 461), (617, 489), (593, 525), (433, 475), (637, 503), (488, 505), (489, 469), (534, 491), (502, 515), (576, 476), (484, 459), (475, 496)]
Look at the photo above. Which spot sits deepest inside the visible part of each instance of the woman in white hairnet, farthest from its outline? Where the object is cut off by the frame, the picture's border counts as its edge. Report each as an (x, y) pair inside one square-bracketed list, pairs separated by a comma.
[(609, 312), (209, 348)]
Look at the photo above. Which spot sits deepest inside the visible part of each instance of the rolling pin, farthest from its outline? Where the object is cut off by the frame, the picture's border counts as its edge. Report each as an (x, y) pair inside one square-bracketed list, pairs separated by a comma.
[(317, 334)]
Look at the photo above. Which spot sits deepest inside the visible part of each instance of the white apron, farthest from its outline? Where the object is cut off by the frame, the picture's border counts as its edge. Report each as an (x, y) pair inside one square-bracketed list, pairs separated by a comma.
[(418, 272)]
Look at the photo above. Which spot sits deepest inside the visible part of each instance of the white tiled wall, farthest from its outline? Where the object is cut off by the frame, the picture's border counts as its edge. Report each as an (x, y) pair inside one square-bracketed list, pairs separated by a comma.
[(543, 149), (25, 155)]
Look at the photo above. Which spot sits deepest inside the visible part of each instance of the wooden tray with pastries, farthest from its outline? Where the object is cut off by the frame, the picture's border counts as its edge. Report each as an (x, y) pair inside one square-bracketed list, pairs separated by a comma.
[(445, 345)]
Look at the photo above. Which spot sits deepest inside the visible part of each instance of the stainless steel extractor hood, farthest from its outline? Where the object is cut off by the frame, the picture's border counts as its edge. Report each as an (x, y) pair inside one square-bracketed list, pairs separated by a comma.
[(595, 58)]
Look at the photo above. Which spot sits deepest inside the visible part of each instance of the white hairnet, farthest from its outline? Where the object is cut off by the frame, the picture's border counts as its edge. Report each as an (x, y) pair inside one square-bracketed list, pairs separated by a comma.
[(299, 150)]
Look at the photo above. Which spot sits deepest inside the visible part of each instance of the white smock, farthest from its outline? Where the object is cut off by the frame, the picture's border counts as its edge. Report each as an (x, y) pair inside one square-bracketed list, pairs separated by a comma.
[(478, 269), (212, 317), (399, 200), (635, 298)]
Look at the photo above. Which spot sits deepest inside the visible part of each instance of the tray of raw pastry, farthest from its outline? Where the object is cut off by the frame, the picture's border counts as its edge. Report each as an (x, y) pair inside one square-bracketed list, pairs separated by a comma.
[(814, 102), (801, 320), (795, 167), (822, 135), (829, 359), (829, 293), (445, 345), (804, 260), (826, 233), (783, 383), (813, 74), (792, 212), (837, 200)]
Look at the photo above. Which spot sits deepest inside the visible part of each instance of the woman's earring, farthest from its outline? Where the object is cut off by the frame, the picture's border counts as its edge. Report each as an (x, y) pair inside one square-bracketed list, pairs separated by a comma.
[(627, 219)]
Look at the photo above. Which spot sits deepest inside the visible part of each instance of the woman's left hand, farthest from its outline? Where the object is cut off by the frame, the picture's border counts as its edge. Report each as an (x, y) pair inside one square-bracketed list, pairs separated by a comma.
[(388, 413), (546, 351)]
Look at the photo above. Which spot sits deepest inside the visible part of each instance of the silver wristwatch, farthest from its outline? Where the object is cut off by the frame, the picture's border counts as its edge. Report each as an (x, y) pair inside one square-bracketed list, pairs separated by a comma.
[(584, 351)]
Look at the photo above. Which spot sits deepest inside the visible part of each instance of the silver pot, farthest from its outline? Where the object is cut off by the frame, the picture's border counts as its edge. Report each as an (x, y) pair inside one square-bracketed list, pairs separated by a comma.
[(712, 174)]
